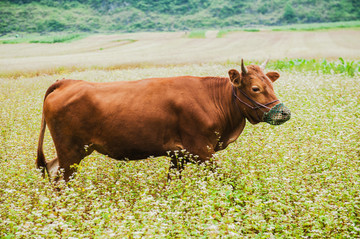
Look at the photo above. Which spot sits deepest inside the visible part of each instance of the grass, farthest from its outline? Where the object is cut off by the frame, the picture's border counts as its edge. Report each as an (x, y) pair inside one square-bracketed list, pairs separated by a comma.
[(350, 67), (126, 40), (251, 30), (296, 27), (197, 34), (318, 66), (223, 32), (63, 70), (317, 26), (341, 66), (35, 38), (300, 179)]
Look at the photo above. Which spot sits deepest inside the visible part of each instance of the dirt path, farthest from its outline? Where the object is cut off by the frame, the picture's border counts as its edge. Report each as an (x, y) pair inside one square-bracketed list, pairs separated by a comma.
[(211, 34), (173, 48)]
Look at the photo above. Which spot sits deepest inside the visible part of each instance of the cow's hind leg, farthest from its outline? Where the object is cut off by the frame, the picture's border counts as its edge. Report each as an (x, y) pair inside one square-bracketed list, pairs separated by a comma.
[(52, 167), (69, 155)]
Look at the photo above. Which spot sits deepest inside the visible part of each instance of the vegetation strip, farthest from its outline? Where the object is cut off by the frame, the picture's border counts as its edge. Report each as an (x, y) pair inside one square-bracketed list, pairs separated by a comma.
[(58, 38), (341, 66), (164, 15)]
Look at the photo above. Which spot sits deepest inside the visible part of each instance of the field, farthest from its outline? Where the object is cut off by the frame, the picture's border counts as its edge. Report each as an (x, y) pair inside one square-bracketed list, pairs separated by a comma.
[(297, 180), (149, 49)]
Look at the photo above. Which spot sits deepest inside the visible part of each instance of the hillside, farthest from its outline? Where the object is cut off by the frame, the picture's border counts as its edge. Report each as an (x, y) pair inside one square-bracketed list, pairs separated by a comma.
[(166, 15)]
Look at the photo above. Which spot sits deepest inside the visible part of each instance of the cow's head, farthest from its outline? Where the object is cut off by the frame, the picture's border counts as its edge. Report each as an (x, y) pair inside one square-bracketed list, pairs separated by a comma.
[(255, 94)]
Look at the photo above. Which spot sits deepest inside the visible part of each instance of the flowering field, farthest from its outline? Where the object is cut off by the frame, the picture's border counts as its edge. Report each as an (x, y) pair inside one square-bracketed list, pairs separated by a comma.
[(299, 180)]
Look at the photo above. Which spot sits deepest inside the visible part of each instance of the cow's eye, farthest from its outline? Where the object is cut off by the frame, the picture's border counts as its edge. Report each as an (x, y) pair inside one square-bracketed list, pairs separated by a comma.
[(255, 89)]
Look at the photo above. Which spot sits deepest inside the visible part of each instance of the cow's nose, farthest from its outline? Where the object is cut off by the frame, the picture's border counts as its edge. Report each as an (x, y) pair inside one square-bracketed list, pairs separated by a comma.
[(278, 114), (286, 114)]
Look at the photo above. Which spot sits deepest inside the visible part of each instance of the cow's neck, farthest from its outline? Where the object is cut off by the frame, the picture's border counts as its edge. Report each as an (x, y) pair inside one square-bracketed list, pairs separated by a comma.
[(232, 120)]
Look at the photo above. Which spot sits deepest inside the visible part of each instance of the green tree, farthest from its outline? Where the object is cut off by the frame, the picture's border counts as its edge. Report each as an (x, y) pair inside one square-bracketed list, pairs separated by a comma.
[(289, 14)]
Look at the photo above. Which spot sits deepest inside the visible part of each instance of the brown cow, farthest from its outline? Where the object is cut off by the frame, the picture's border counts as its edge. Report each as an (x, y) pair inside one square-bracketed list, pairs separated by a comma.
[(194, 116)]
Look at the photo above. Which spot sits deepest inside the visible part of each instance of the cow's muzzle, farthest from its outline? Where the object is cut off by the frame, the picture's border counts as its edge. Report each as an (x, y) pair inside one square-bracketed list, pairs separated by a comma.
[(278, 114)]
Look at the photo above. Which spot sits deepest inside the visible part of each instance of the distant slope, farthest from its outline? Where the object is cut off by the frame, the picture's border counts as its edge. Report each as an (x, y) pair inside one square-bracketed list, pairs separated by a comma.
[(166, 15)]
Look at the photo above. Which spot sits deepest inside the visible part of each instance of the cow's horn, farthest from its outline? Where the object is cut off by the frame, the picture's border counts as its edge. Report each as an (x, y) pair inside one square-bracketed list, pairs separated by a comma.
[(263, 65), (243, 68)]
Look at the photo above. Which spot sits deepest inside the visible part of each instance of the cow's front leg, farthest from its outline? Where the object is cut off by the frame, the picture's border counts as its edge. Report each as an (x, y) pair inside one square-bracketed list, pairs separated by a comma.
[(177, 165)]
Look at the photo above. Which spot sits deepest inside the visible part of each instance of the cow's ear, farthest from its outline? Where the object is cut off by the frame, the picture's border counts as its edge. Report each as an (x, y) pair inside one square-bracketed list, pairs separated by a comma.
[(273, 75), (235, 77)]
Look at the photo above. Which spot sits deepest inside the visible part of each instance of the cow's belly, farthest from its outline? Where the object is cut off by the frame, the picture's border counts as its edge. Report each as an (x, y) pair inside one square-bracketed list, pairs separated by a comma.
[(131, 155), (134, 151), (126, 139)]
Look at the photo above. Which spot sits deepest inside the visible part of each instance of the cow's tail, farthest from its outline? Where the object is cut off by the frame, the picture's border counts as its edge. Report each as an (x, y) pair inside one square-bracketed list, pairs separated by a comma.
[(40, 160)]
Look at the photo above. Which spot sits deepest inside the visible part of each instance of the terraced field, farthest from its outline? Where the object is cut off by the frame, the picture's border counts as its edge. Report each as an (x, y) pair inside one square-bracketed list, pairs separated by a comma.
[(177, 48)]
